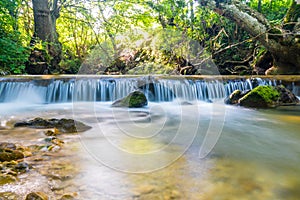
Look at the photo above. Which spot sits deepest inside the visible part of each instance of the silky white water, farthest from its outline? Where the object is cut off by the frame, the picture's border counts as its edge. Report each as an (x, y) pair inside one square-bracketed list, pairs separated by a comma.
[(256, 155)]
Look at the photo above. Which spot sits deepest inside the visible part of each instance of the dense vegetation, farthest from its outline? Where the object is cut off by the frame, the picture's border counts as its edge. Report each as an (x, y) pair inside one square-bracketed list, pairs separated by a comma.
[(132, 37)]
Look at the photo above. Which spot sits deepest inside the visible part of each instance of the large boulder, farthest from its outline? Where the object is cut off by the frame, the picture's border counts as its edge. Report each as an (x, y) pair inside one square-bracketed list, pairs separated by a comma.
[(63, 125), (286, 96), (263, 97), (135, 99), (260, 97)]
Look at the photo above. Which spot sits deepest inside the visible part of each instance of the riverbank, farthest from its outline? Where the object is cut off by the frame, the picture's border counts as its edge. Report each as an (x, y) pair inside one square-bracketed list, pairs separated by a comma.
[(289, 78)]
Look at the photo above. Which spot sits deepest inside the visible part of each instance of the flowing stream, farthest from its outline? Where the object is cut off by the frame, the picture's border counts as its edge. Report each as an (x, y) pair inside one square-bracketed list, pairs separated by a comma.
[(157, 152)]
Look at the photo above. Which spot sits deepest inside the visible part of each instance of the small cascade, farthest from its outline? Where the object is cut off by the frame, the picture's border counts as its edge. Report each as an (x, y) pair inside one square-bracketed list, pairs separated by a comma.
[(109, 89)]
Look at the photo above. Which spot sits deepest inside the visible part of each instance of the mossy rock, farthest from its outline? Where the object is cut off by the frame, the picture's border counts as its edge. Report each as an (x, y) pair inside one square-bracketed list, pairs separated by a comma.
[(261, 97), (136, 99)]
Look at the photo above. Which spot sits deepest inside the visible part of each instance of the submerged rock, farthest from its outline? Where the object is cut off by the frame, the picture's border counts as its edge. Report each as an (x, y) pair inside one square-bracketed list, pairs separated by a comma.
[(8, 195), (63, 125), (260, 97), (36, 196), (8, 152), (21, 167), (7, 145), (68, 197), (263, 97), (135, 99), (6, 178)]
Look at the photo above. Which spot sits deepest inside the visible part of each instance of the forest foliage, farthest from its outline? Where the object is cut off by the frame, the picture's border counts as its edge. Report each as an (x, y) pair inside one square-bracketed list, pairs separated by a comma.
[(121, 37)]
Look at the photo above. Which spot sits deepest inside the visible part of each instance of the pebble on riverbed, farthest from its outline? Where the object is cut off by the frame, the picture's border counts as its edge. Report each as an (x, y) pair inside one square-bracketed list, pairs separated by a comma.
[(36, 196), (8, 195), (8, 152), (37, 157)]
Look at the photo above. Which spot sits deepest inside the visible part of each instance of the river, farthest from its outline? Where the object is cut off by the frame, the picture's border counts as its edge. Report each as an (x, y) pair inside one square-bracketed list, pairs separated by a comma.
[(256, 155), (186, 144)]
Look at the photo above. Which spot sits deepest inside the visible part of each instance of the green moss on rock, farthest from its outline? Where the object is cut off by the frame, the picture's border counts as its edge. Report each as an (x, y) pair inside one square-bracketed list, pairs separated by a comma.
[(135, 99), (260, 97)]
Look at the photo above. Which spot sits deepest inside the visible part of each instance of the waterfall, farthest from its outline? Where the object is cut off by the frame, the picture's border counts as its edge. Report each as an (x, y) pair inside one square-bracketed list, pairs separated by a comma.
[(109, 89)]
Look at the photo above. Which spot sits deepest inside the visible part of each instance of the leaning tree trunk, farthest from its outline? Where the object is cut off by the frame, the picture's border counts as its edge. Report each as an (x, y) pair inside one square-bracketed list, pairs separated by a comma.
[(283, 44), (47, 61)]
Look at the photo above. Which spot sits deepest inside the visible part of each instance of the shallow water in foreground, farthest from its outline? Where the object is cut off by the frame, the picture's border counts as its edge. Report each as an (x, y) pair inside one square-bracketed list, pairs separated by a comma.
[(257, 155)]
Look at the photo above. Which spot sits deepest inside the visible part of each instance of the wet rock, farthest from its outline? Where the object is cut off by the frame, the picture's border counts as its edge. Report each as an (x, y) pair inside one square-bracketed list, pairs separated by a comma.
[(6, 145), (135, 99), (234, 97), (59, 171), (9, 164), (260, 97), (186, 103), (58, 142), (144, 189), (8, 168), (10, 172), (52, 133), (25, 150), (63, 125), (6, 178), (53, 148), (263, 97), (8, 196), (36, 196), (68, 197), (286, 96), (22, 167), (9, 151), (8, 155)]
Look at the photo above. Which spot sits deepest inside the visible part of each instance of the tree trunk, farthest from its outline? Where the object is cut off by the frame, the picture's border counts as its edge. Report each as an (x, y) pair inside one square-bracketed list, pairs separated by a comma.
[(45, 30), (284, 45), (259, 6)]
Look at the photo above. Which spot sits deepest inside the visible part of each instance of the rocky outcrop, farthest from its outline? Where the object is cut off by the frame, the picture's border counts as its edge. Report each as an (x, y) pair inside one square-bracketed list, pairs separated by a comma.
[(263, 97), (135, 99), (62, 125)]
